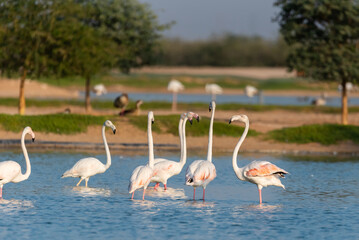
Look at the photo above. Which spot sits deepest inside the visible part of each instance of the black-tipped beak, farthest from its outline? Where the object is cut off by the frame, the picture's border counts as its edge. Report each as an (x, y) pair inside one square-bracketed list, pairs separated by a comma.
[(153, 122), (114, 131), (209, 109), (190, 121), (33, 140), (197, 119), (230, 121)]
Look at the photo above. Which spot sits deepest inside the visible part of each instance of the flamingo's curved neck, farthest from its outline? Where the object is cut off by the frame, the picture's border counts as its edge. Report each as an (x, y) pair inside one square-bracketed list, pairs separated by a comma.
[(151, 156), (183, 142), (108, 155), (28, 165), (210, 138), (236, 169)]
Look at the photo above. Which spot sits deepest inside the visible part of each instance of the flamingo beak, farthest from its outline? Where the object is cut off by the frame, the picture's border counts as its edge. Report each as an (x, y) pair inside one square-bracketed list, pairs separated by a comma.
[(153, 122), (190, 121), (114, 131), (33, 139), (230, 121), (197, 118)]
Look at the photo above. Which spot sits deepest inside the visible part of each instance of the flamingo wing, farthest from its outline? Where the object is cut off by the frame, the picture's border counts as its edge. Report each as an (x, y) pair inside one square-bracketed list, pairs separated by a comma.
[(205, 171), (85, 167), (8, 171), (140, 177), (263, 169)]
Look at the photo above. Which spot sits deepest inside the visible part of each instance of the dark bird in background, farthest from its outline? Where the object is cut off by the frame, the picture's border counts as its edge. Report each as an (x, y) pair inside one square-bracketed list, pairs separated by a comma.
[(121, 102), (136, 111)]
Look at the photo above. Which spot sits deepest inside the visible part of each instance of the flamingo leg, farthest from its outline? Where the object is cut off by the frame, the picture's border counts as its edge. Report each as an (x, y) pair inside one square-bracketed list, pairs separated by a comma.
[(133, 195), (165, 187), (143, 195), (260, 195), (79, 182), (1, 192), (204, 193), (86, 181), (156, 186), (194, 193)]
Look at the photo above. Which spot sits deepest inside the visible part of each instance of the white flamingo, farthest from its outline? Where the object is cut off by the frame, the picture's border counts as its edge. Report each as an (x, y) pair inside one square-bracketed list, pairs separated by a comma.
[(10, 171), (141, 176), (262, 173), (175, 86), (166, 169), (213, 89), (201, 172), (250, 91), (88, 167)]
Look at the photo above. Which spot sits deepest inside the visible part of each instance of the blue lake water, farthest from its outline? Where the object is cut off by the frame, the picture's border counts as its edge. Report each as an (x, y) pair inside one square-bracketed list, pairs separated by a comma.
[(321, 201), (228, 98)]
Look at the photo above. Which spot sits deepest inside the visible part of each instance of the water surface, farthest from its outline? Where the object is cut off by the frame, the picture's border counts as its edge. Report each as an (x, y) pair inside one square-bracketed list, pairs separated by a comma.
[(321, 201)]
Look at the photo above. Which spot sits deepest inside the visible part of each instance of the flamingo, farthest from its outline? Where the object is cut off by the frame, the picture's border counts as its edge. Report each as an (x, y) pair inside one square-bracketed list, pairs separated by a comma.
[(99, 89), (213, 89), (202, 172), (166, 169), (262, 173), (175, 86), (10, 171), (250, 91), (141, 176), (88, 167)]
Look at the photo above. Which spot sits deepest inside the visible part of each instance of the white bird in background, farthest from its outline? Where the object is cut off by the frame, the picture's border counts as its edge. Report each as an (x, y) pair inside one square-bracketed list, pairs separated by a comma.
[(250, 91), (262, 173), (10, 171), (88, 167), (320, 101), (201, 172), (349, 87), (141, 176), (166, 169), (174, 86), (99, 89), (213, 89)]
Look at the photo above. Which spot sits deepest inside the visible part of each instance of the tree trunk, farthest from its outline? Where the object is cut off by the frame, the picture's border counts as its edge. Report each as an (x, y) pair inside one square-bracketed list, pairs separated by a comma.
[(87, 96), (22, 104), (344, 104)]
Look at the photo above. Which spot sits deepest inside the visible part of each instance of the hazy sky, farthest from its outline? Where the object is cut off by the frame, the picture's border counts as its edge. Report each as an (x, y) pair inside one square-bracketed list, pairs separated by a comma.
[(199, 19)]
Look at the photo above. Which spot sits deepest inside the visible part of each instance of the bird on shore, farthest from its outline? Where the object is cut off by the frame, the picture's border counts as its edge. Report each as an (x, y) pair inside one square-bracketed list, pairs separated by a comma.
[(88, 167), (121, 102), (250, 91), (166, 169), (213, 89), (10, 171), (201, 172), (136, 111), (99, 89), (261, 173), (174, 86), (141, 176)]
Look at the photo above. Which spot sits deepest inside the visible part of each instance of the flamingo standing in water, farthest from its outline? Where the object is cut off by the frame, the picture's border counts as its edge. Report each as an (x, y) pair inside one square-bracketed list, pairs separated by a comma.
[(262, 173), (141, 176), (166, 169), (88, 167), (10, 171), (201, 172)]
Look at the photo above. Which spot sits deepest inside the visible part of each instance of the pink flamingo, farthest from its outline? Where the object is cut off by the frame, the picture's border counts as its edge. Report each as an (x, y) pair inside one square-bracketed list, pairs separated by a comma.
[(10, 171), (142, 175), (262, 173), (201, 172), (166, 169)]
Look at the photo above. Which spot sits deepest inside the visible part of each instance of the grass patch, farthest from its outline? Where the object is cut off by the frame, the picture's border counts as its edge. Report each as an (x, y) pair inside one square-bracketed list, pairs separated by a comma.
[(325, 134), (169, 124), (55, 123)]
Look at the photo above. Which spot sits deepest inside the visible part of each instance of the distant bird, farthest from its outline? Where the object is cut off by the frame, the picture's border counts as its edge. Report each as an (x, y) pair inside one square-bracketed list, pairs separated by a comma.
[(250, 91), (141, 176), (201, 172), (67, 111), (320, 101), (174, 86), (262, 173), (166, 169), (10, 171), (213, 89), (99, 89), (121, 102), (136, 111), (88, 167), (349, 87)]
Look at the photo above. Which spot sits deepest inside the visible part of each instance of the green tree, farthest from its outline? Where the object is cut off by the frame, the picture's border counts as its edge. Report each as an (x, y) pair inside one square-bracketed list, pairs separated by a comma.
[(23, 37), (323, 36)]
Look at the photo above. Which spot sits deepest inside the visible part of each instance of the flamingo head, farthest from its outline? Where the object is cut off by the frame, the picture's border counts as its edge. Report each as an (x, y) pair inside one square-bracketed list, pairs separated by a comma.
[(108, 123), (241, 118), (28, 130), (151, 117), (212, 106), (192, 115)]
